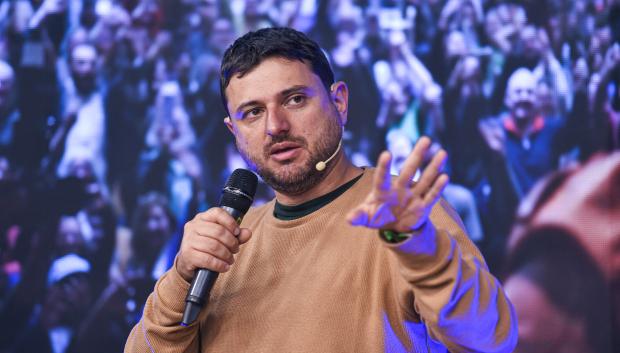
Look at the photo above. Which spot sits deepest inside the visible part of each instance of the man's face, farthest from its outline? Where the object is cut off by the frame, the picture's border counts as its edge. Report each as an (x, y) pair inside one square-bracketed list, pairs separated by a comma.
[(153, 233), (158, 224), (67, 301), (532, 46), (208, 10), (223, 33), (83, 67), (70, 238), (285, 122), (521, 95)]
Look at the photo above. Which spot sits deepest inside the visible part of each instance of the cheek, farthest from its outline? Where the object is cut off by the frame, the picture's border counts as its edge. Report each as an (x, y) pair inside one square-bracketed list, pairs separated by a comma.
[(243, 140), (251, 147), (246, 145), (246, 136)]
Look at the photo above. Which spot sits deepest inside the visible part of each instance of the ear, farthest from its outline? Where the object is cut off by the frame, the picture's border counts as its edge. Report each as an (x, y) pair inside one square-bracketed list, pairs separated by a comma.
[(229, 125), (339, 93)]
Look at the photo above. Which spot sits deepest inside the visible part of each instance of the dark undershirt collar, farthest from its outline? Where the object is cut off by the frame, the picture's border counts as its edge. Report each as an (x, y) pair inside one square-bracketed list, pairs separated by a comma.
[(289, 213)]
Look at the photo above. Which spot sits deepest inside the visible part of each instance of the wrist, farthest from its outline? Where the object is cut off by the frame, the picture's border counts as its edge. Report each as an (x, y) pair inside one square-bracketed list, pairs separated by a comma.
[(393, 237), (184, 275)]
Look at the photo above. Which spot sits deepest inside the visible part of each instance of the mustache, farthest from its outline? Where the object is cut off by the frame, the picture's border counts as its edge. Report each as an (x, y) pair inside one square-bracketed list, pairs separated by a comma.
[(284, 138)]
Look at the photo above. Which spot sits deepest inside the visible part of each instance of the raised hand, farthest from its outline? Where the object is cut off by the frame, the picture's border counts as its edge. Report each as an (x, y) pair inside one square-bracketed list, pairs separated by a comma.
[(398, 204)]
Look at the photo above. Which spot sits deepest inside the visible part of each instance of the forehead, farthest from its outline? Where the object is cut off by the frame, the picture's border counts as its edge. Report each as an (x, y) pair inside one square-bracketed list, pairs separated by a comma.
[(521, 80), (84, 52), (269, 78)]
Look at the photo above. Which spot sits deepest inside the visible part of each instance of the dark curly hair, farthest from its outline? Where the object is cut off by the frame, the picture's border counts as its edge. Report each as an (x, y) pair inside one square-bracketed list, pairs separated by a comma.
[(251, 49)]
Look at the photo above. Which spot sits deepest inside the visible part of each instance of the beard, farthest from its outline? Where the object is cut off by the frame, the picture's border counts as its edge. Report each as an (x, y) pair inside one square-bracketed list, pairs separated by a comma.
[(295, 181), (85, 84)]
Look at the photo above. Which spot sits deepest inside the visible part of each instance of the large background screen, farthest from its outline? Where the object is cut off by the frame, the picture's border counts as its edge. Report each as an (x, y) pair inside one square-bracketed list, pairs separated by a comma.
[(112, 137)]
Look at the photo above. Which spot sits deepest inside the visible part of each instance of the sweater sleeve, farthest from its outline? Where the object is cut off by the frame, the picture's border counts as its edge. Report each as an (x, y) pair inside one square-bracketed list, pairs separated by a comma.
[(159, 330), (447, 283)]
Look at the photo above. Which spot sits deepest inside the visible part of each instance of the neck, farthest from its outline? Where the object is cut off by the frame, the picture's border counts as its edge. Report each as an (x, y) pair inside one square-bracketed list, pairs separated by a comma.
[(340, 171)]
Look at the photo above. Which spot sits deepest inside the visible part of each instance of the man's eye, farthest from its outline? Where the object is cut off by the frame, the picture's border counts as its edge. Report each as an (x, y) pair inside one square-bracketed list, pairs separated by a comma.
[(254, 112), (296, 100)]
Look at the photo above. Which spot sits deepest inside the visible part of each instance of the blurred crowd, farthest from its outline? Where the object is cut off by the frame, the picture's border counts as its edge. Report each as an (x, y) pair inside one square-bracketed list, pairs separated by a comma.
[(111, 138)]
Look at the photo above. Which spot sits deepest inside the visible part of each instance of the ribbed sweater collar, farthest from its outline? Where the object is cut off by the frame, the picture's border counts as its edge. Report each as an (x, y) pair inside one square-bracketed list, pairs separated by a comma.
[(289, 213), (339, 206)]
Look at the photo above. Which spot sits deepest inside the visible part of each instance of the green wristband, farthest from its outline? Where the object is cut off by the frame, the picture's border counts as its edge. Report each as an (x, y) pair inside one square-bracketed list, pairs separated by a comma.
[(391, 236)]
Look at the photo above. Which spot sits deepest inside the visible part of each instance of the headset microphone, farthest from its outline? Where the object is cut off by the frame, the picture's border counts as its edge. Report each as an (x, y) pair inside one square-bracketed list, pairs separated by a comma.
[(320, 166)]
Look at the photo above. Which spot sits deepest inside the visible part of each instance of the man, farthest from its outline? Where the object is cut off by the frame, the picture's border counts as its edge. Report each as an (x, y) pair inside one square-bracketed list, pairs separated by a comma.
[(83, 114), (168, 163), (56, 320), (527, 141), (313, 279), (524, 146)]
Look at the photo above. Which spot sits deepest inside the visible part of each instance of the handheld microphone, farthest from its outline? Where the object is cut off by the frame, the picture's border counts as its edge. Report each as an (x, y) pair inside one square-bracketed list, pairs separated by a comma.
[(237, 197)]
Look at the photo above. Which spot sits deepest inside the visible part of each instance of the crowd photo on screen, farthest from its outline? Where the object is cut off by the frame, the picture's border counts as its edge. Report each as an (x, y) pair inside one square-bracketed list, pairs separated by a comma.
[(112, 138)]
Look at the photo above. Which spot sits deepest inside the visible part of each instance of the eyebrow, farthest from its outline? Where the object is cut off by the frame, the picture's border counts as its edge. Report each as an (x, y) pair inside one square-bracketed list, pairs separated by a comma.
[(283, 93)]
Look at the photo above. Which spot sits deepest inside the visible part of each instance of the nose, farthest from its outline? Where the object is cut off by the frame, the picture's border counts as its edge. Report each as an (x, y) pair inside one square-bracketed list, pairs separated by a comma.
[(277, 122), (526, 94)]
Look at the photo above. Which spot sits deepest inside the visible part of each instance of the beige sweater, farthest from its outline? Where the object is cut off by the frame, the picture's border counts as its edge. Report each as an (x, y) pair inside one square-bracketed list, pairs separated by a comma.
[(317, 284)]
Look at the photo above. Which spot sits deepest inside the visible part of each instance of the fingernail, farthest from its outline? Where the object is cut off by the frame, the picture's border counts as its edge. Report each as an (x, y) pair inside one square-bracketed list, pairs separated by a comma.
[(237, 231)]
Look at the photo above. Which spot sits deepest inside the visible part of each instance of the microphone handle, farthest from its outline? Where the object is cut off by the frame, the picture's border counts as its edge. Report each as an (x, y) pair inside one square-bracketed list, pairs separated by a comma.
[(202, 282)]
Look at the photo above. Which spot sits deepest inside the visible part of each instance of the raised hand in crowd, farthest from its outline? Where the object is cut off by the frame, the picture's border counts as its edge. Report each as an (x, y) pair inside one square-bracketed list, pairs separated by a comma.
[(47, 8), (493, 134)]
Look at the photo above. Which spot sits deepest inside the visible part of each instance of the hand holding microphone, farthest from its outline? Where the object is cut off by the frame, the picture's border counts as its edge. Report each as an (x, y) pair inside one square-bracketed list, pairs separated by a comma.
[(211, 239), (209, 242)]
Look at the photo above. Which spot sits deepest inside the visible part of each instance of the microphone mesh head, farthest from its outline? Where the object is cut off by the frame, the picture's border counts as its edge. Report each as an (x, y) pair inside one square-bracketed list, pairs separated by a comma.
[(239, 190)]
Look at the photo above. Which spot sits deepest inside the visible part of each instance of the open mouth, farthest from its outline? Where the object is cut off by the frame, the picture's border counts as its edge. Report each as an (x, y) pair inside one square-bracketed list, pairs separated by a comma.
[(284, 151), (525, 105)]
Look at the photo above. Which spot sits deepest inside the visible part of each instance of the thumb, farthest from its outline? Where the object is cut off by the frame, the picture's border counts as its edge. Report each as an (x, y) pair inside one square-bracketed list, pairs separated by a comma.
[(244, 235)]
